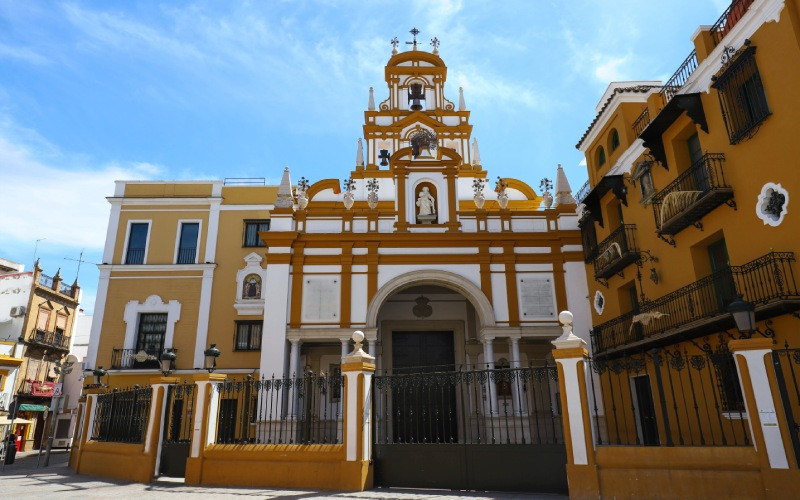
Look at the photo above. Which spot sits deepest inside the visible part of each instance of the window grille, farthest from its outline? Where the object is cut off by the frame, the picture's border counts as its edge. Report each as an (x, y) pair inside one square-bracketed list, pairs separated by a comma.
[(741, 96), (248, 335)]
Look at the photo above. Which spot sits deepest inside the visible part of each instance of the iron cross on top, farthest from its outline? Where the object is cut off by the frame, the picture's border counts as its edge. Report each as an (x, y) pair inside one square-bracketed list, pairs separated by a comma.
[(415, 32)]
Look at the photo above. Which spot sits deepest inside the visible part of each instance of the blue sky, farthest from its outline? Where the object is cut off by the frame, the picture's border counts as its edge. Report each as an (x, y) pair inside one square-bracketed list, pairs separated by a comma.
[(91, 92)]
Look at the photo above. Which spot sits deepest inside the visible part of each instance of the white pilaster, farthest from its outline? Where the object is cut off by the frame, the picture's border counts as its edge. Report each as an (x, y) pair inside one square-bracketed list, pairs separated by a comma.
[(516, 383), (199, 411), (765, 405), (572, 384), (97, 321), (488, 358), (151, 422), (273, 335), (203, 316), (372, 347)]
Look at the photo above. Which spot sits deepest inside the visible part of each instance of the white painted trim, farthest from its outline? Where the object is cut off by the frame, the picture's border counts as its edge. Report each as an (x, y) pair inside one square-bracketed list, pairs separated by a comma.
[(111, 232), (92, 401), (163, 201), (213, 410), (250, 307), (428, 251), (213, 231), (574, 409), (153, 304), (155, 267), (602, 121), (181, 222), (203, 315), (199, 412), (765, 405), (149, 223), (763, 199), (350, 435), (625, 162), (270, 206), (97, 321), (148, 442), (160, 434)]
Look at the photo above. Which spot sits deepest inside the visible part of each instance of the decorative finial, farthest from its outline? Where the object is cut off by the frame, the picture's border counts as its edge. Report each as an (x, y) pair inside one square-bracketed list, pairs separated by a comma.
[(567, 339), (58, 274), (358, 355), (415, 32), (394, 43), (435, 43), (371, 103), (563, 189), (476, 154), (285, 199), (360, 154), (462, 105)]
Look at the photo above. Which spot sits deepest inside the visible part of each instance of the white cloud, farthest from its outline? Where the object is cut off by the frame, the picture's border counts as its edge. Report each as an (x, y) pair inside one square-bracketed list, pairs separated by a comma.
[(45, 196)]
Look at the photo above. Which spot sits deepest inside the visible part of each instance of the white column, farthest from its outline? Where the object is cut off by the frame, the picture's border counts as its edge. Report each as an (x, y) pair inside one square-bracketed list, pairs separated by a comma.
[(488, 358), (372, 347), (199, 411), (152, 421), (202, 318), (273, 334), (345, 347), (764, 413), (294, 358), (571, 385), (516, 383), (358, 409), (97, 321)]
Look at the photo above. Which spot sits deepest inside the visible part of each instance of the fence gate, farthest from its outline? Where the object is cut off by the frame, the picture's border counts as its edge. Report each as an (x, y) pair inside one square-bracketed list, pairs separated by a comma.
[(787, 372), (496, 429), (177, 432)]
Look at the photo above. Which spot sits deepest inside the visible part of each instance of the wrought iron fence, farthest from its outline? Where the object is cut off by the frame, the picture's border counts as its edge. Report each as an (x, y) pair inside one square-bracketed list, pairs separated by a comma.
[(122, 359), (675, 396), (134, 256), (469, 406), (641, 122), (616, 251), (786, 362), (296, 410), (65, 290), (680, 77), (122, 415), (735, 11), (186, 255), (765, 280), (693, 194), (178, 423)]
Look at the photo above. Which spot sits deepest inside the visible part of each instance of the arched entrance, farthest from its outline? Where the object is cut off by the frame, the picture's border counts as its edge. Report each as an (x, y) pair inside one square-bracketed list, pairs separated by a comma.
[(443, 416)]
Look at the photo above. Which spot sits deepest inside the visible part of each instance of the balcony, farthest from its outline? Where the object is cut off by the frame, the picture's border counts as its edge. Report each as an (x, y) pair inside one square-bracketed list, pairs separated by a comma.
[(695, 193), (701, 308), (49, 339), (37, 388), (735, 11), (583, 192), (641, 122), (616, 252), (131, 359)]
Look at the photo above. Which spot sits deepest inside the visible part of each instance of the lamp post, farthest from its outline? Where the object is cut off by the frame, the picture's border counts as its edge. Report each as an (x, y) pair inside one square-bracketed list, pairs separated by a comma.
[(98, 374), (744, 314), (211, 354), (167, 359)]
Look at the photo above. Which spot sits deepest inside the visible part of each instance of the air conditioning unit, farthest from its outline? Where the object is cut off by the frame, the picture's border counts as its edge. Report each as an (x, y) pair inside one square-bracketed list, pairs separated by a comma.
[(17, 311)]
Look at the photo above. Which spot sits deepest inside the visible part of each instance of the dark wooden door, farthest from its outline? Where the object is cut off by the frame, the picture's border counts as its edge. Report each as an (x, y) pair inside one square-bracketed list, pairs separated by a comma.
[(422, 351)]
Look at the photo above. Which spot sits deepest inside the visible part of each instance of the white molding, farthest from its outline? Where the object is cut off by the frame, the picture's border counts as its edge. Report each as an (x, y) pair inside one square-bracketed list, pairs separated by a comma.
[(181, 222), (250, 307), (763, 199), (97, 320), (111, 232), (203, 315), (602, 121), (156, 268), (599, 308), (269, 206), (624, 163), (153, 304), (212, 233), (149, 223), (163, 201)]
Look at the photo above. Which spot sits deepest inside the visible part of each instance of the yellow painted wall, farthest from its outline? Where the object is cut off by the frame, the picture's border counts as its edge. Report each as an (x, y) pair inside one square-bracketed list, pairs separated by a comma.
[(157, 189), (163, 235)]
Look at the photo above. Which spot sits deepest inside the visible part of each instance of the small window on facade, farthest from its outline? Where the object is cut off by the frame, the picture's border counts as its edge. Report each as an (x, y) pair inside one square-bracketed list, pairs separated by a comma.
[(137, 242), (601, 157), (251, 230), (187, 245), (42, 319), (614, 140), (741, 96), (248, 335)]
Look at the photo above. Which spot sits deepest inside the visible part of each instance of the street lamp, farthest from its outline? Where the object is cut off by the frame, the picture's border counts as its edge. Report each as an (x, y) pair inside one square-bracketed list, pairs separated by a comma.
[(744, 314), (167, 359), (98, 375), (212, 353)]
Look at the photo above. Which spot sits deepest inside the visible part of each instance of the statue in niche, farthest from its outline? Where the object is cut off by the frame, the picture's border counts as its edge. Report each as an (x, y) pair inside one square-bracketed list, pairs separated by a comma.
[(252, 287), (426, 203)]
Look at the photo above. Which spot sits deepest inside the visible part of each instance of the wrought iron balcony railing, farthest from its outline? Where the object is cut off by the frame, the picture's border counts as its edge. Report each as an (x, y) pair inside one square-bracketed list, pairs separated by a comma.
[(735, 11), (45, 280), (133, 359), (59, 340), (696, 192), (680, 77), (583, 191), (65, 290), (701, 307), (186, 255), (641, 122), (616, 252), (134, 256)]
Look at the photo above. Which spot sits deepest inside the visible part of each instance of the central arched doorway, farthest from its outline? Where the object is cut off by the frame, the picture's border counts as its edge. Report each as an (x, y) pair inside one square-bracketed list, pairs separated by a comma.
[(446, 413)]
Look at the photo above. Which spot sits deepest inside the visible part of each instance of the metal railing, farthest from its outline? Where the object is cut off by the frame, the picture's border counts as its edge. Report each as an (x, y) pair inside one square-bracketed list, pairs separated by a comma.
[(469, 406), (680, 77), (54, 339), (616, 251), (65, 290), (583, 192), (732, 15), (245, 181), (122, 359), (122, 415), (186, 255), (669, 397), (45, 280), (134, 256), (786, 362), (695, 192), (641, 122), (765, 280), (296, 410)]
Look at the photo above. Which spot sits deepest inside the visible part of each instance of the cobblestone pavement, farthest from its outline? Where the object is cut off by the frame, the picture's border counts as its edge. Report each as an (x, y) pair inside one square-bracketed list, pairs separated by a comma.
[(24, 480)]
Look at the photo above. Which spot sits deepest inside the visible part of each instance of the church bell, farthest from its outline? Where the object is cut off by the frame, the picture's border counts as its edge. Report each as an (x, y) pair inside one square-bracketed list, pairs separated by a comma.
[(415, 95)]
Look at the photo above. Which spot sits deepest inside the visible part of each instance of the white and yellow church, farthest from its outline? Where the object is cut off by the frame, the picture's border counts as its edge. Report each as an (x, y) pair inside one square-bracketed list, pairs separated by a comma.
[(437, 266)]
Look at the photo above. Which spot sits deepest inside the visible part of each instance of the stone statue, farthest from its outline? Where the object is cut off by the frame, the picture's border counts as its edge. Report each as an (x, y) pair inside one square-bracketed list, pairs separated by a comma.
[(426, 202)]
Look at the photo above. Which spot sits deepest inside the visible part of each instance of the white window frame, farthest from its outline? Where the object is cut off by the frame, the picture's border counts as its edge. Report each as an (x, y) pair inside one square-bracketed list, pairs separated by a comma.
[(181, 222), (149, 223), (153, 304)]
